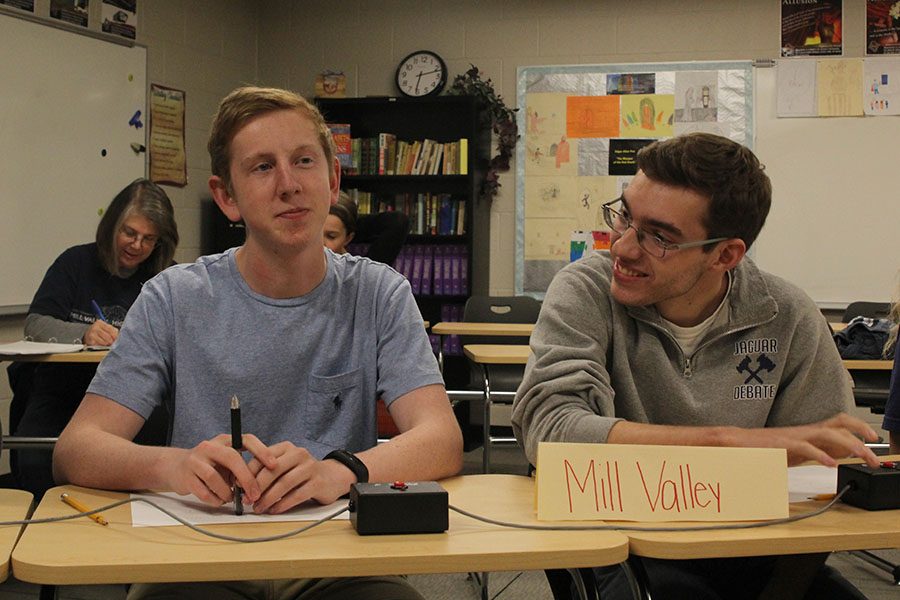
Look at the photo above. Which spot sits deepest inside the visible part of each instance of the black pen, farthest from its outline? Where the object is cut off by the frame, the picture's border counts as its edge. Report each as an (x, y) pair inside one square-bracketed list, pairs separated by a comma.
[(237, 444)]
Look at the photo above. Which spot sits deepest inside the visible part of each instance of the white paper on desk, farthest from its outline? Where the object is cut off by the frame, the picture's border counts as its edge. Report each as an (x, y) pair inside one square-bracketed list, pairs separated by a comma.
[(32, 348), (810, 480), (195, 512)]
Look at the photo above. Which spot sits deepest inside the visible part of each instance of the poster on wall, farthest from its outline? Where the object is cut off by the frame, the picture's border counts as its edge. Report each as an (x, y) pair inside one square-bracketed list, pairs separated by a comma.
[(20, 4), (119, 17), (168, 163), (70, 11), (883, 27), (811, 28), (583, 127)]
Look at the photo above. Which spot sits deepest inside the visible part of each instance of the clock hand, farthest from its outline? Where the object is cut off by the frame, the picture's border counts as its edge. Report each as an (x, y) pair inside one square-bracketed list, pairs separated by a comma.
[(418, 79), (430, 72)]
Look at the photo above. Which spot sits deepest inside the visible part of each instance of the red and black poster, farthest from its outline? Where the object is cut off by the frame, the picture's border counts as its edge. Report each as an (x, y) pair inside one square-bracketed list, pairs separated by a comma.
[(882, 27), (811, 27)]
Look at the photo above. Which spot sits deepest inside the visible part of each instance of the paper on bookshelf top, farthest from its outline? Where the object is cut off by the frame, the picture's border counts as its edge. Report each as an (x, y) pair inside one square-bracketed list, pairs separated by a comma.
[(195, 512), (24, 348)]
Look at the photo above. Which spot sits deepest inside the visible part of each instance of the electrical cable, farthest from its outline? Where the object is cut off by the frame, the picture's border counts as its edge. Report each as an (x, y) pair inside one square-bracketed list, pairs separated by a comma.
[(213, 534), (752, 525), (280, 536)]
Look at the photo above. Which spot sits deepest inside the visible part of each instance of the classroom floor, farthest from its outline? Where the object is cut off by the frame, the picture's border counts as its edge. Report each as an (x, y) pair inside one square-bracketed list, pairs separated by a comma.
[(526, 585)]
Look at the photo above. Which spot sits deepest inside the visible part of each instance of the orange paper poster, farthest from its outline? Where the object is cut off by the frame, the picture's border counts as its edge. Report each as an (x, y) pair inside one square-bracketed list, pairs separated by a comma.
[(592, 116)]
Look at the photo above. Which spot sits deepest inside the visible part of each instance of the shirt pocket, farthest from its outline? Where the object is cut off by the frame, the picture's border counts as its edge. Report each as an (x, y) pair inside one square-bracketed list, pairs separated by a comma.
[(333, 407)]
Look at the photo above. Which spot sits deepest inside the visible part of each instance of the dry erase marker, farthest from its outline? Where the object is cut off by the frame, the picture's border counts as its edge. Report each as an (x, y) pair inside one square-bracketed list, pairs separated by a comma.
[(81, 508), (98, 311), (237, 444)]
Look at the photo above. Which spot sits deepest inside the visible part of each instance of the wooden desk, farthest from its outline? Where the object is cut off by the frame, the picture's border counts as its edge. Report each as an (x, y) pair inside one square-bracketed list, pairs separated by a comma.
[(843, 527), (446, 328), (871, 382), (14, 506), (82, 552), (487, 355), (868, 365), (85, 356)]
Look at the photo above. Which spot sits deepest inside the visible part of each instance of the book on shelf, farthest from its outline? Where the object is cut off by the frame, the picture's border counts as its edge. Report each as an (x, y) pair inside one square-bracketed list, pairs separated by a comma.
[(340, 132), (387, 151), (427, 260), (463, 157)]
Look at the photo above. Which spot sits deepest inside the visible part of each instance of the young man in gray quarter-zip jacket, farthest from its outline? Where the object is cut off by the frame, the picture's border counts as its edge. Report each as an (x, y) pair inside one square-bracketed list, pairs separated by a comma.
[(674, 337)]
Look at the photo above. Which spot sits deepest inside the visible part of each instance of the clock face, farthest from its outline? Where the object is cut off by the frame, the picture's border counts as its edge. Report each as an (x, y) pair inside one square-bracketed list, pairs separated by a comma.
[(421, 73)]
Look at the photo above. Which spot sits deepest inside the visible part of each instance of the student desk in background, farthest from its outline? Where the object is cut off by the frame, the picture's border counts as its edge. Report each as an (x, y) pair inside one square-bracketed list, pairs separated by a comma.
[(82, 552), (85, 356), (486, 355), (871, 382), (446, 328), (14, 506)]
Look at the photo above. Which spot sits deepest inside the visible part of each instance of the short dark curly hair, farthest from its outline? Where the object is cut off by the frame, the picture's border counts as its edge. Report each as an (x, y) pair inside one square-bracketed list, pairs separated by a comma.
[(729, 174)]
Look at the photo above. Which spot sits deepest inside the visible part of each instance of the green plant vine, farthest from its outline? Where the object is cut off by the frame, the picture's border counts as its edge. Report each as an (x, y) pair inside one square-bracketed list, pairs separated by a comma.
[(503, 123)]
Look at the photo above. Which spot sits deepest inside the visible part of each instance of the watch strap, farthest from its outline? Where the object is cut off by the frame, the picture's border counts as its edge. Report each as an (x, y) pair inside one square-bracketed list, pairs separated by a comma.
[(352, 462)]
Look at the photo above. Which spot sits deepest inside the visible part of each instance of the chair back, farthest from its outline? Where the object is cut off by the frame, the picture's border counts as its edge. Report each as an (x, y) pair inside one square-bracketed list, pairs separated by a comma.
[(872, 310), (499, 309)]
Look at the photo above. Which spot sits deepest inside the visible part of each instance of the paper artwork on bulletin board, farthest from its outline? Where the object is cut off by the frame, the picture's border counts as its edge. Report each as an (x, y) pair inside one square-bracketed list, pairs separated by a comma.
[(839, 87), (812, 28), (881, 86), (584, 125)]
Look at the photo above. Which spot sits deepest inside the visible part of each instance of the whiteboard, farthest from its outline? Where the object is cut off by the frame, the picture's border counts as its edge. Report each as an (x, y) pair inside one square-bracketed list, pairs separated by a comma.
[(66, 99), (835, 219)]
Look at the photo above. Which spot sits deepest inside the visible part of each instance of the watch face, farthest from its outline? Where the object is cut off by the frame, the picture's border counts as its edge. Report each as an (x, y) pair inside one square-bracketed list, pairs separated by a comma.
[(421, 74)]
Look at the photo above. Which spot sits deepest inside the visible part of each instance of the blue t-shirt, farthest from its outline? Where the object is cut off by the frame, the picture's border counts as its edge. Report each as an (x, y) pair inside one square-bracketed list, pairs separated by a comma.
[(306, 369), (892, 406)]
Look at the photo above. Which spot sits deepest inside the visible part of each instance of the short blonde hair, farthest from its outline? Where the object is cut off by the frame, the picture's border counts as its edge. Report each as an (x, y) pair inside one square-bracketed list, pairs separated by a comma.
[(246, 103)]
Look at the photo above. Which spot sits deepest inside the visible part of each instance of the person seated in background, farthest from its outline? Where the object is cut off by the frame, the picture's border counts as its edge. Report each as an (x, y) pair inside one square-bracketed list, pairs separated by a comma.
[(306, 340), (135, 240), (891, 422), (674, 337), (340, 224), (384, 232)]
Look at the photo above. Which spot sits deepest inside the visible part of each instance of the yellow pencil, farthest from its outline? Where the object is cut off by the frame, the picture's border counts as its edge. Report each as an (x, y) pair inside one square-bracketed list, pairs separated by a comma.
[(81, 508), (822, 497)]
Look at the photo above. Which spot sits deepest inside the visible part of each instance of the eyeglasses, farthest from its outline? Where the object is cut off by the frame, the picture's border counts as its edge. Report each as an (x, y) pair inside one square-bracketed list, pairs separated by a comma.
[(146, 241), (651, 243)]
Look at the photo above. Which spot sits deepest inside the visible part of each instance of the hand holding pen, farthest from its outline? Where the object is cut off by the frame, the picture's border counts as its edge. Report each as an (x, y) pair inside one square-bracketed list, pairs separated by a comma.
[(100, 333)]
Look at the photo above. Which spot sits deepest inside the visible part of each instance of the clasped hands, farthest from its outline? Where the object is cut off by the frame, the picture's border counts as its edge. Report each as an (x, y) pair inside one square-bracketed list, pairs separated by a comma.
[(276, 479)]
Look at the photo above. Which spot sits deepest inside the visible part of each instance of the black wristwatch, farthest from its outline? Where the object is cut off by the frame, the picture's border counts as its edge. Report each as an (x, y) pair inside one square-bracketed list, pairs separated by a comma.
[(349, 460)]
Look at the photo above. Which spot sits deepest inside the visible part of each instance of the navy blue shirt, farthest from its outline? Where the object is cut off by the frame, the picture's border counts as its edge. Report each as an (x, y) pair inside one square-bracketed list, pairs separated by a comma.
[(75, 278)]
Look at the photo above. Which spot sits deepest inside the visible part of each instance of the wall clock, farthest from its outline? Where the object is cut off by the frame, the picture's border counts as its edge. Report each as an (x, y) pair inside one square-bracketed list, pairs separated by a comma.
[(422, 73)]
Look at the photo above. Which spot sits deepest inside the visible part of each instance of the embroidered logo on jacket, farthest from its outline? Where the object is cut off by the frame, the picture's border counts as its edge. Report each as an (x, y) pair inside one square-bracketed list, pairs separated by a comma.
[(755, 368)]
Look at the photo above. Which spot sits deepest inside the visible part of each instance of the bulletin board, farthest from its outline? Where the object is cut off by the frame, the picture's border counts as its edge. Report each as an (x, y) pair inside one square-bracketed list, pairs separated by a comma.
[(581, 126), (68, 117)]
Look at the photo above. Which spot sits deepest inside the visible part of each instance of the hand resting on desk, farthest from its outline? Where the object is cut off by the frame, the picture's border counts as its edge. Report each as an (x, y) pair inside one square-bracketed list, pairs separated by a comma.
[(840, 436)]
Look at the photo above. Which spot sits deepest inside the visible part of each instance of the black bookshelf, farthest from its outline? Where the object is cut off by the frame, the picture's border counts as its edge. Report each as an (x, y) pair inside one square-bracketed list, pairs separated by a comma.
[(443, 119)]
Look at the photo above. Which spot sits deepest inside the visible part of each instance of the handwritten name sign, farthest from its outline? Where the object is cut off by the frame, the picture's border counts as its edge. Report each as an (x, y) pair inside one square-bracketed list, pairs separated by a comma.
[(627, 482)]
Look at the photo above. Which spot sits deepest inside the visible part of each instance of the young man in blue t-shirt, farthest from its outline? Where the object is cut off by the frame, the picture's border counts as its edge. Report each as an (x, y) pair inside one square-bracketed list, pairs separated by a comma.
[(307, 340)]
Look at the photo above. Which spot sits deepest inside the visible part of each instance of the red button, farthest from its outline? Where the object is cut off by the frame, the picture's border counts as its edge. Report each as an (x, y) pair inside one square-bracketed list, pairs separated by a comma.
[(399, 485), (888, 464)]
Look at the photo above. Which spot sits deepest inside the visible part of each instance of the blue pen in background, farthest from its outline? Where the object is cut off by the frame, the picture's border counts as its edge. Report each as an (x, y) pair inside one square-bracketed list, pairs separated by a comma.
[(98, 312)]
